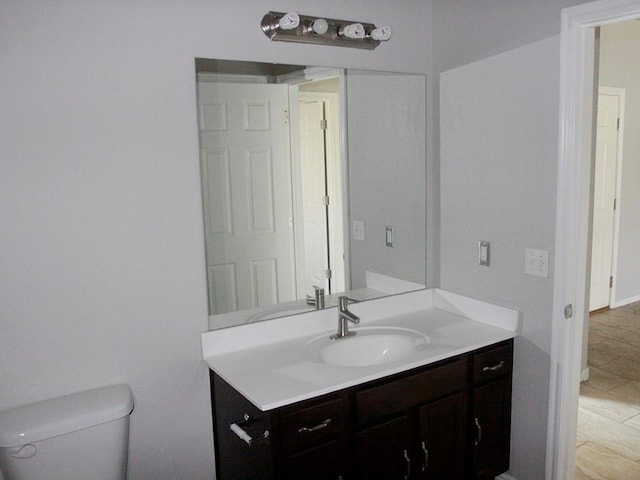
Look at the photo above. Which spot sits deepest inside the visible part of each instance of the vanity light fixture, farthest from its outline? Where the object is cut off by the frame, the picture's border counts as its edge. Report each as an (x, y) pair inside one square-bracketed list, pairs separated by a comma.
[(353, 30), (279, 26), (320, 26), (381, 34), (289, 21)]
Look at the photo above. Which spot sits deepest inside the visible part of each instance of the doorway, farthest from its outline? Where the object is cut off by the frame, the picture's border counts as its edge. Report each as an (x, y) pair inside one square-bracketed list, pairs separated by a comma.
[(608, 438), (570, 309)]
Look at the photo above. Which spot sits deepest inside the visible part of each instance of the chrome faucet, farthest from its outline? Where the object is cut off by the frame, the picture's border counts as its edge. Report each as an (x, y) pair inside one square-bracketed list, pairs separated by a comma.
[(344, 317), (317, 299)]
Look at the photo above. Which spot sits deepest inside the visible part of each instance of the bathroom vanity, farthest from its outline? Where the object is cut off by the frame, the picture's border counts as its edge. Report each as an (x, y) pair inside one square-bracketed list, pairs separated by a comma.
[(286, 406)]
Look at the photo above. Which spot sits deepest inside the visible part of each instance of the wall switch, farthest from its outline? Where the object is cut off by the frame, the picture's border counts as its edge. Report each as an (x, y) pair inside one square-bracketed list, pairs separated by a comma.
[(357, 230), (388, 236), (484, 253), (536, 262)]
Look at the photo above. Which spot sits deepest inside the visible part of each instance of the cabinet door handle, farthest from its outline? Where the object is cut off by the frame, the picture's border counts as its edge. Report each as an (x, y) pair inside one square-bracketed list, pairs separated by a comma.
[(495, 367), (236, 427), (408, 465), (478, 432), (320, 426), (425, 465)]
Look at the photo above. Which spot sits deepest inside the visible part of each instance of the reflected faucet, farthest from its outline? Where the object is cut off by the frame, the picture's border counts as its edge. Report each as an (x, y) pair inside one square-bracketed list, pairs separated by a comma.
[(317, 299), (344, 317)]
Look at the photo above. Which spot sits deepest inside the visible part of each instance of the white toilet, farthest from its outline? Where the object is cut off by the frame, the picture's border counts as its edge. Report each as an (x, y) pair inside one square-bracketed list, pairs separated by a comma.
[(82, 436)]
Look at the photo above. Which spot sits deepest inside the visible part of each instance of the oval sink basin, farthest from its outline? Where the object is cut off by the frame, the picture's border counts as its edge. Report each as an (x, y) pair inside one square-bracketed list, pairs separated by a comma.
[(370, 346)]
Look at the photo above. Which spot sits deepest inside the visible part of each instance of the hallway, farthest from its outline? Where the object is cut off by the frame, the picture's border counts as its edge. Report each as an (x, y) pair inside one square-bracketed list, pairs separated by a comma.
[(609, 409)]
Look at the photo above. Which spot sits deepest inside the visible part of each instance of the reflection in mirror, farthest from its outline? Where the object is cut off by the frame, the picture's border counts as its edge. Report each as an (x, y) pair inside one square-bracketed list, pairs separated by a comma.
[(295, 211)]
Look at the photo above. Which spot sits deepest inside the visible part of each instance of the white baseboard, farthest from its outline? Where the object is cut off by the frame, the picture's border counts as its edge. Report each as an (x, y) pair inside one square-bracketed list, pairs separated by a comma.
[(625, 301), (584, 375), (504, 476)]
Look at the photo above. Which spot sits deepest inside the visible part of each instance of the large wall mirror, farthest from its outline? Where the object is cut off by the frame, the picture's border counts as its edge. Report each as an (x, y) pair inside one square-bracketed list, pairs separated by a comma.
[(313, 179)]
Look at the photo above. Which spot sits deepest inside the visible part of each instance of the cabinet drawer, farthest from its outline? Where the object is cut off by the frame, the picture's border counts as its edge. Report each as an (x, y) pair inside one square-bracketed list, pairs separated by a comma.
[(311, 425), (492, 363), (407, 392)]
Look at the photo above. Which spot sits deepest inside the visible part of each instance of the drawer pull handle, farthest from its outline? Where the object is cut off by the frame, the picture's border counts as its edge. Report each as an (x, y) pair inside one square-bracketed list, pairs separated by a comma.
[(320, 426), (408, 464), (478, 432), (236, 427), (497, 366), (426, 457)]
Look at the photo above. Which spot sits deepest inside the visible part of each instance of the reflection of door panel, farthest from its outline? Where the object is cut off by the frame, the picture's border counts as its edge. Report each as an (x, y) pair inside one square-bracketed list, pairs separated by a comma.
[(603, 200), (244, 142), (314, 210)]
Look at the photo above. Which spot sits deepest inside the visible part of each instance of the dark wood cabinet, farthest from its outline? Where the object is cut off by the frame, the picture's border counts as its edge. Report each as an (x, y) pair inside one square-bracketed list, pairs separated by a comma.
[(446, 421), (382, 450), (327, 461), (491, 411), (442, 451)]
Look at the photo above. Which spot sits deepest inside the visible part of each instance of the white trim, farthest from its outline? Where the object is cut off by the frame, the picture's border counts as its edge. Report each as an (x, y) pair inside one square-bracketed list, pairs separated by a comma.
[(309, 74), (211, 77), (626, 301), (572, 221), (504, 476), (584, 375)]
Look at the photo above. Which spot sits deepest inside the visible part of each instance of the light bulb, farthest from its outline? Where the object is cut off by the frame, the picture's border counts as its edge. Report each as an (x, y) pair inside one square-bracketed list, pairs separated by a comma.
[(320, 26), (289, 21), (354, 30), (381, 34)]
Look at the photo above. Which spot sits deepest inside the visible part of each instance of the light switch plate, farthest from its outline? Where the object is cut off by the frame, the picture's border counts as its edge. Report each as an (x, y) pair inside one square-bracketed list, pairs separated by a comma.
[(388, 236), (484, 253)]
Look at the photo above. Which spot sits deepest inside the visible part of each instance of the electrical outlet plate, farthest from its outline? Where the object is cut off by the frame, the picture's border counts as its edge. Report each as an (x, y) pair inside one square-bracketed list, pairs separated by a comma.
[(536, 262), (357, 232)]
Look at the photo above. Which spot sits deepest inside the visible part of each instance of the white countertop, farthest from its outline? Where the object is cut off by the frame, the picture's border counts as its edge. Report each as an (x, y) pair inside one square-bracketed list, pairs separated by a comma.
[(268, 363)]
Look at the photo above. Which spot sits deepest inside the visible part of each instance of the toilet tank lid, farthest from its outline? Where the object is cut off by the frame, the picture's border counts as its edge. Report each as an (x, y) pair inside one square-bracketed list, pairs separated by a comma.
[(61, 415)]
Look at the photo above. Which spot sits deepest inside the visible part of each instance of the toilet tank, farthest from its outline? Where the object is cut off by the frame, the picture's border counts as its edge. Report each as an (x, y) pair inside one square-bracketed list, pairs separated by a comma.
[(80, 436)]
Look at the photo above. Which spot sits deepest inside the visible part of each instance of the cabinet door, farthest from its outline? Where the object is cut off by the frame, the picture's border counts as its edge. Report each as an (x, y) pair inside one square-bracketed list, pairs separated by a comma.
[(491, 417), (442, 439), (383, 451), (326, 462)]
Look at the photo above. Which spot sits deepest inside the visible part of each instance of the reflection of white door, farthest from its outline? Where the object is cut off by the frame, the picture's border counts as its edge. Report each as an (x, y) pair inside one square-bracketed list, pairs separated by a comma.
[(603, 200), (314, 192), (244, 144)]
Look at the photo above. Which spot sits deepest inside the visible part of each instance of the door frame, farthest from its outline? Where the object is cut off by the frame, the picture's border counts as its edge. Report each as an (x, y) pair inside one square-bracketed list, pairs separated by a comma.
[(570, 307)]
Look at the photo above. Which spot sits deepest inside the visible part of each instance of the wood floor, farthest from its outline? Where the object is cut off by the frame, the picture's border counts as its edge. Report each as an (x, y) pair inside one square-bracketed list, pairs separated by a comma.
[(609, 409)]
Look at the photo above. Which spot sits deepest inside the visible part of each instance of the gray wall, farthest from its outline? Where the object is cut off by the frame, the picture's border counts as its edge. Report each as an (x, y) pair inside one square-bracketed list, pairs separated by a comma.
[(468, 30), (499, 151), (498, 157), (102, 276), (619, 49), (386, 128)]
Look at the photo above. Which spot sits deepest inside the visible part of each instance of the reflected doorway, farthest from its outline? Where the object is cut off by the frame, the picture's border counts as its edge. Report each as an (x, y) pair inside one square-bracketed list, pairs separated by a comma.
[(272, 174), (318, 193)]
